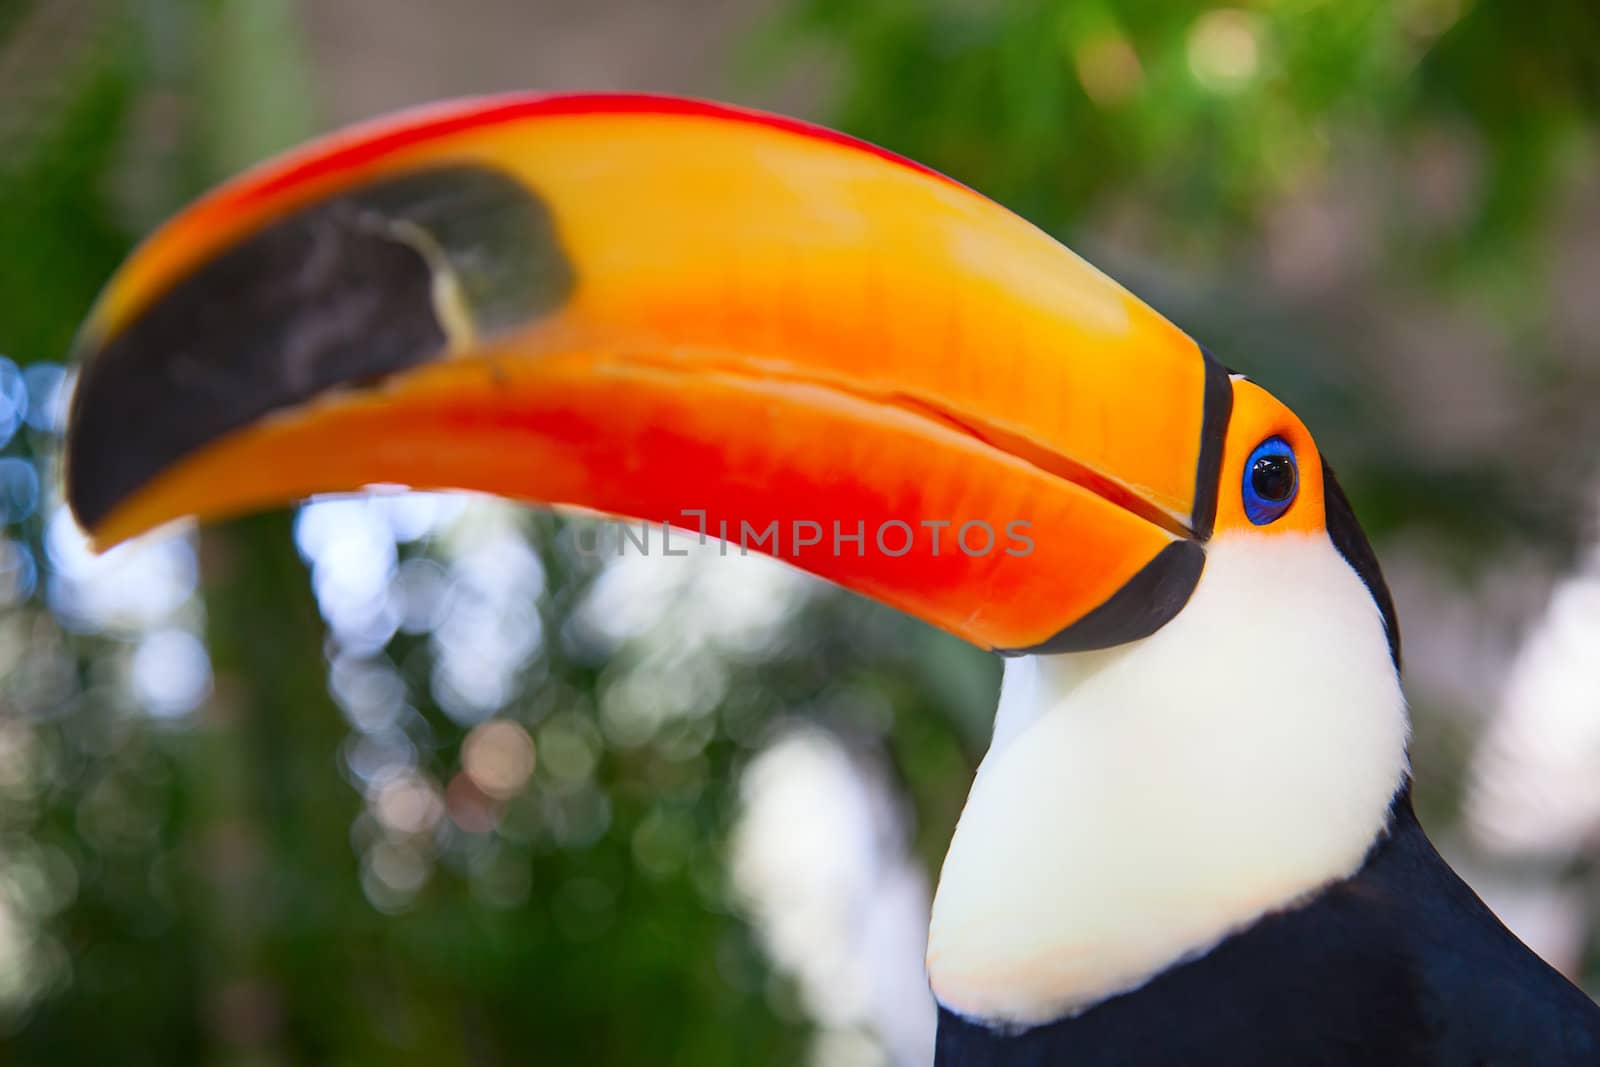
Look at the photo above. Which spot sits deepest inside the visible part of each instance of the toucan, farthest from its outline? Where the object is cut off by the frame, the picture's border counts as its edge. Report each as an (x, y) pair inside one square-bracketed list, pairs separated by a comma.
[(1191, 840)]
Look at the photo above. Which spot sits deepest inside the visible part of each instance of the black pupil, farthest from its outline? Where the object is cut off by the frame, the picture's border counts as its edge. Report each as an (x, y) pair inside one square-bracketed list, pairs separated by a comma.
[(1272, 478)]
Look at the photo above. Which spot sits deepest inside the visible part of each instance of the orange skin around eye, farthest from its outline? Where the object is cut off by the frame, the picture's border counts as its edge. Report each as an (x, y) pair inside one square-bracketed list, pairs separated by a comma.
[(1258, 415)]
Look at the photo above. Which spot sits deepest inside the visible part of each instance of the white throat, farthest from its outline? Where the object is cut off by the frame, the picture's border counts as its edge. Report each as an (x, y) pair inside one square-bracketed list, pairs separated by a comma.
[(1137, 805)]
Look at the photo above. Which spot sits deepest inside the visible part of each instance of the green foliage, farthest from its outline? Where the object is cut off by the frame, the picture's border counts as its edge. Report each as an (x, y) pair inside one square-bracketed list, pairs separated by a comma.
[(1062, 109), (57, 144)]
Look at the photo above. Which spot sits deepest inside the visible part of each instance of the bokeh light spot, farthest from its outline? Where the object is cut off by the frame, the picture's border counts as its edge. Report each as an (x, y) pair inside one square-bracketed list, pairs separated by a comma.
[(407, 803), (1108, 68), (392, 873), (498, 756), (1224, 49), (13, 400), (569, 747), (471, 809), (171, 673), (18, 573), (47, 397), (19, 489)]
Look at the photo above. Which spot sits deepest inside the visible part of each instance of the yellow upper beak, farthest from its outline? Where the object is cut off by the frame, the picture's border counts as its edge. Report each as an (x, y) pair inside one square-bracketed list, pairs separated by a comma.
[(675, 311)]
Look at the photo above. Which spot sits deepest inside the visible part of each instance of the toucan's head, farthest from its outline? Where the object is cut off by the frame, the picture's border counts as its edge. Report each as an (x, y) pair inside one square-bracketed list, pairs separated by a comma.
[(688, 313)]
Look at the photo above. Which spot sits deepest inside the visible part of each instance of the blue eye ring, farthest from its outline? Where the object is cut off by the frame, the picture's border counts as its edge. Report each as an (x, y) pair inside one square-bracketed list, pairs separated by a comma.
[(1271, 481)]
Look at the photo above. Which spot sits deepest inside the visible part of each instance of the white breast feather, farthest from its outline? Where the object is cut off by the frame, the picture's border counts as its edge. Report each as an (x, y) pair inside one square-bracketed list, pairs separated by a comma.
[(1138, 804)]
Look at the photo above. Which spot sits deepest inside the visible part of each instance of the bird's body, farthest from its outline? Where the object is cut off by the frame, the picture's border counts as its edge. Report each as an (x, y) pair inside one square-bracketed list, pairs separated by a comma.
[(1191, 841), (1400, 965)]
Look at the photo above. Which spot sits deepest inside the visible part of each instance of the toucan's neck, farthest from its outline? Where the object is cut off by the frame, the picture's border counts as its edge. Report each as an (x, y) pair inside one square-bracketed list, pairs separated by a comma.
[(1139, 804)]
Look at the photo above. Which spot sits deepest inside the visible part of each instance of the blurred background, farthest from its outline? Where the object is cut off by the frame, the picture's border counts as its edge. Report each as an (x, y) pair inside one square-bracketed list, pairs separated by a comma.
[(414, 779)]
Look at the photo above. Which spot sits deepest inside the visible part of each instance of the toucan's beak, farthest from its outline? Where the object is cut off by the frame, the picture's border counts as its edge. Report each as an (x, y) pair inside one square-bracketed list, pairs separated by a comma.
[(678, 312)]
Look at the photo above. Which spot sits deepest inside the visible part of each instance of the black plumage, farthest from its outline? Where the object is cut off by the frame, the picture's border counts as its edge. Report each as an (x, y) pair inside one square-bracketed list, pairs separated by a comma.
[(1399, 965)]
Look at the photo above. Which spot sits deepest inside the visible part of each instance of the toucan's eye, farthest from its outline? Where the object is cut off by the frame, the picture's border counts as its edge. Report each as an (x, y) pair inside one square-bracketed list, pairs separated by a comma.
[(1271, 480)]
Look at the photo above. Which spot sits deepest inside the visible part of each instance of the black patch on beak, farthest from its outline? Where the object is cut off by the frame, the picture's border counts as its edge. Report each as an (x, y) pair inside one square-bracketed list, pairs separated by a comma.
[(340, 294), (1217, 410), (1145, 603)]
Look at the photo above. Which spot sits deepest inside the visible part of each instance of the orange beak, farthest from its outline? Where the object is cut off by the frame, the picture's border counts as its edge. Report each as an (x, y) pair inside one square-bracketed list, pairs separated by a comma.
[(681, 313)]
